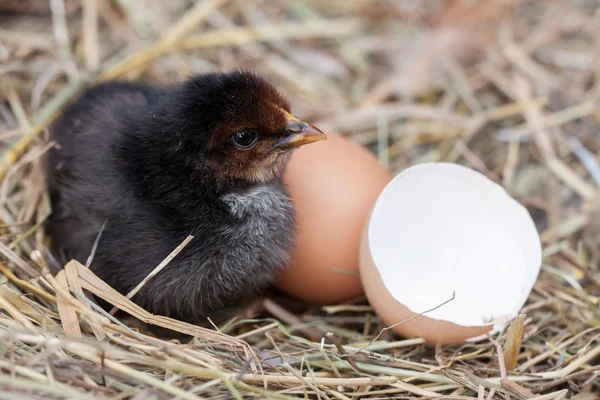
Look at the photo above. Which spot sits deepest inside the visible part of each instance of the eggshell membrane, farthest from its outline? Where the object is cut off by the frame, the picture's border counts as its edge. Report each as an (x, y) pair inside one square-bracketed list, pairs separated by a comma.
[(333, 185), (439, 229)]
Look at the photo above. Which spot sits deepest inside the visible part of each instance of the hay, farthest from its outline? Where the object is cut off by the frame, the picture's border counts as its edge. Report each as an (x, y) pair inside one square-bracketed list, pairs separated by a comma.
[(507, 87)]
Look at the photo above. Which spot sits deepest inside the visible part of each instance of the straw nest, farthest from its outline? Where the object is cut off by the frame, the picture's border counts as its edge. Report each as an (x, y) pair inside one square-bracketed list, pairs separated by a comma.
[(507, 87)]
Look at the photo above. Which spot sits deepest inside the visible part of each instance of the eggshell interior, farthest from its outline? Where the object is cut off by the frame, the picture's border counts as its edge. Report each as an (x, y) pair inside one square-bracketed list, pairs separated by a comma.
[(333, 185), (409, 323), (440, 229)]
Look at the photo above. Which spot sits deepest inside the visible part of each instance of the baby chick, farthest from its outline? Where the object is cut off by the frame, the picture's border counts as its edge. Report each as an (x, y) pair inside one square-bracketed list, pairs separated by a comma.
[(153, 165)]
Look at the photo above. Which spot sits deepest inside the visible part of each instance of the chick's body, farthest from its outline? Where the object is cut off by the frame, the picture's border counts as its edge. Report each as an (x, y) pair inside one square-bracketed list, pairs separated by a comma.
[(157, 164)]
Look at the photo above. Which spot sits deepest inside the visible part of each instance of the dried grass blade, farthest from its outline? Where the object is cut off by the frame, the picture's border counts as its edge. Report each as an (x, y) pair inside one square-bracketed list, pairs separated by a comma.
[(75, 284), (512, 344), (414, 389), (91, 282), (134, 374), (56, 390), (291, 30), (516, 390), (24, 284), (68, 315), (17, 108), (16, 314), (18, 261), (159, 267), (186, 23), (43, 119), (21, 305), (90, 34), (543, 141), (568, 176)]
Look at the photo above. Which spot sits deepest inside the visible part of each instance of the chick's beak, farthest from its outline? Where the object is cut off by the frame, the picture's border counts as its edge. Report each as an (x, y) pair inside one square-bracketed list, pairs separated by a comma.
[(299, 133)]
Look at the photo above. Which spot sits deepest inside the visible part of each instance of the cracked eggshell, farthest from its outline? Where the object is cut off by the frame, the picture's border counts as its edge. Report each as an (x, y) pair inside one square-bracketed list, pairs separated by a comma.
[(439, 230)]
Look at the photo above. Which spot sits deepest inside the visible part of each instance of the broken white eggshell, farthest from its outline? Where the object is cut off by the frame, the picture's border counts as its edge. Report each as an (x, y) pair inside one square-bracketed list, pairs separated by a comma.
[(440, 230)]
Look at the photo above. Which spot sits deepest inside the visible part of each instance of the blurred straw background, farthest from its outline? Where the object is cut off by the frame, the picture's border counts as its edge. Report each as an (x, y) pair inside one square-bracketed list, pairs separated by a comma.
[(507, 87)]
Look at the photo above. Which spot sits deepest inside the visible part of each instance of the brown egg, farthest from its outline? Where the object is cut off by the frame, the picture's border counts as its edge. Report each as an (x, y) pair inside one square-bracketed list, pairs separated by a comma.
[(333, 185)]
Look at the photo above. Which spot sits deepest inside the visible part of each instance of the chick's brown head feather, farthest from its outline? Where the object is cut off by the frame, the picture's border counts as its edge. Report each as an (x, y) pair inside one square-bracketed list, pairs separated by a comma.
[(246, 121)]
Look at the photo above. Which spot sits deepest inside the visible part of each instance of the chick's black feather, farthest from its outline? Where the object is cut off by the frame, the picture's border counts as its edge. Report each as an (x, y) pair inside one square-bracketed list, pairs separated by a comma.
[(155, 165)]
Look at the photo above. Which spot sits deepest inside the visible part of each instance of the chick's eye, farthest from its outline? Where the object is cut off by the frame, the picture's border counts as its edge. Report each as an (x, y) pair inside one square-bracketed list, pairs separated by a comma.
[(245, 139)]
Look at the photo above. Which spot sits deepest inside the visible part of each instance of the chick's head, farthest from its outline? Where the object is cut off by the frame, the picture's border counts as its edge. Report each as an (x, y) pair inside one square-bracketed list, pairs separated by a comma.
[(239, 125)]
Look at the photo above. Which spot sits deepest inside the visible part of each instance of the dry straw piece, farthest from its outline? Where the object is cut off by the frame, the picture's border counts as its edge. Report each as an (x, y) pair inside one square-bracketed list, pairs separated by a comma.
[(507, 87)]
